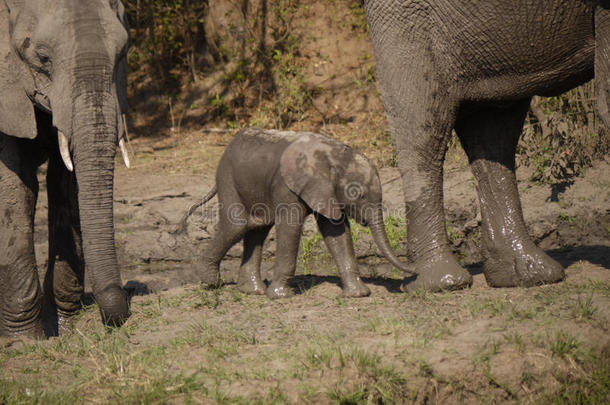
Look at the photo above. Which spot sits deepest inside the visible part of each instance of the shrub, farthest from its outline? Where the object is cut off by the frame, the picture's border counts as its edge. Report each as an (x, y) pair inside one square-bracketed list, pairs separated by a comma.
[(562, 136), (167, 34)]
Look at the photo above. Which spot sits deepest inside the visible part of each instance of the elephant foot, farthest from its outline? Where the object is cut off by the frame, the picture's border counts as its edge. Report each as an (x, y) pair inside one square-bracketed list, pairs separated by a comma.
[(355, 288), (442, 273), (530, 266), (65, 321), (58, 322), (278, 290), (251, 284), (210, 276), (34, 331)]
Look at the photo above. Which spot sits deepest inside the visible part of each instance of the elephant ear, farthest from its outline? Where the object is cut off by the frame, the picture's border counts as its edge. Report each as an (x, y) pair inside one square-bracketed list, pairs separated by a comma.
[(306, 170), (602, 60), (16, 110)]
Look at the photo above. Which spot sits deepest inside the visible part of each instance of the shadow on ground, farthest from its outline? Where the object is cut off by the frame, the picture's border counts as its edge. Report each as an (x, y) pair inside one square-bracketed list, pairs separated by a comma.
[(596, 254), (566, 256), (303, 283)]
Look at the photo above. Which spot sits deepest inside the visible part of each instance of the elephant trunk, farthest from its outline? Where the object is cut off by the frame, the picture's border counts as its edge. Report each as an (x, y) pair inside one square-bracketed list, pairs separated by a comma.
[(94, 146), (381, 240)]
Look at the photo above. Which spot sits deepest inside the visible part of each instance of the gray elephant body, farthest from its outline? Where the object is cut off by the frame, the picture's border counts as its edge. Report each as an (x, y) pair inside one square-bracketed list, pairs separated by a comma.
[(473, 66), (268, 178), (62, 92)]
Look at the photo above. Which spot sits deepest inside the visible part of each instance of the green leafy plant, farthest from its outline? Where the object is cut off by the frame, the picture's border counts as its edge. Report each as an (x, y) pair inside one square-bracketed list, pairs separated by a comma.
[(562, 136), (219, 105)]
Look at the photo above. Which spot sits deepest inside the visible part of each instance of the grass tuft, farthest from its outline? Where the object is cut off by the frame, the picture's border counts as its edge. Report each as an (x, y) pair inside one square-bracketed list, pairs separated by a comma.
[(563, 344)]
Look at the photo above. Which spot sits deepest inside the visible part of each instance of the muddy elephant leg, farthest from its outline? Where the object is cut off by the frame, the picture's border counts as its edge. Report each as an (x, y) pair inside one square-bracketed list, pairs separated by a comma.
[(421, 112), (338, 239), (20, 293), (231, 227), (489, 136), (421, 145), (64, 281), (288, 236), (249, 279)]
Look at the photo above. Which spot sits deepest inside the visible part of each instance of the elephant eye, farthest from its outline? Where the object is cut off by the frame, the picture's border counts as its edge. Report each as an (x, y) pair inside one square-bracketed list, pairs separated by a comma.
[(43, 57)]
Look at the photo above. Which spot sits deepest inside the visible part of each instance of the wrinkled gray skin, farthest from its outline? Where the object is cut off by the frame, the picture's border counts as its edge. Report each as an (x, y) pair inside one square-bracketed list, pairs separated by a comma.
[(62, 66), (473, 66), (270, 177)]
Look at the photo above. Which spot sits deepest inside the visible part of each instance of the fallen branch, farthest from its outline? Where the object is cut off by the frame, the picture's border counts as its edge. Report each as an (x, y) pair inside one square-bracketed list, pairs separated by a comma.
[(161, 197)]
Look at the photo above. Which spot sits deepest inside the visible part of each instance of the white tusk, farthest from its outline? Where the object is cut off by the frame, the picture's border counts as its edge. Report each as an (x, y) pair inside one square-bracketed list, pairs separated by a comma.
[(124, 152), (122, 145), (64, 150)]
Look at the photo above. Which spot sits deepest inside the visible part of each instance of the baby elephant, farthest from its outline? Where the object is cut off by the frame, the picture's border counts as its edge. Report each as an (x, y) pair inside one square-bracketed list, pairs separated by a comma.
[(268, 177)]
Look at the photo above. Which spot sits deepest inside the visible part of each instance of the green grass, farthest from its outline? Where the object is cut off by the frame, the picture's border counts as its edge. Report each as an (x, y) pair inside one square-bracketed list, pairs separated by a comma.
[(19, 392), (563, 344), (590, 385), (584, 307), (490, 306), (312, 250), (376, 382), (223, 346), (516, 339), (396, 228)]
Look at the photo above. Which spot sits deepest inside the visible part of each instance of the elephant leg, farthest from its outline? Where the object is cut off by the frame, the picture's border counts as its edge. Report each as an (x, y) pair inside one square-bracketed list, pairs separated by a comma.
[(231, 227), (20, 293), (249, 280), (421, 112), (287, 248), (489, 136), (338, 239), (64, 281)]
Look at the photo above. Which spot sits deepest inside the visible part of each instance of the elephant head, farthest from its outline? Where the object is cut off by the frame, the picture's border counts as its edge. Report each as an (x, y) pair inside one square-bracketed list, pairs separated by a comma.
[(335, 180), (67, 59)]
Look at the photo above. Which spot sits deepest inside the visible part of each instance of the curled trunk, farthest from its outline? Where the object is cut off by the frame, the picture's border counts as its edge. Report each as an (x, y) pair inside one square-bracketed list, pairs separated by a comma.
[(381, 239)]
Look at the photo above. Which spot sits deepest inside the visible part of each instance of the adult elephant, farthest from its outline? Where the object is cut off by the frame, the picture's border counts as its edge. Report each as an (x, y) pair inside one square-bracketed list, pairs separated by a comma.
[(473, 66), (62, 94)]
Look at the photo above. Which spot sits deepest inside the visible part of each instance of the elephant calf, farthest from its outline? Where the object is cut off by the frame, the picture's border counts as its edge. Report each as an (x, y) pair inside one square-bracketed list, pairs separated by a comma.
[(270, 177)]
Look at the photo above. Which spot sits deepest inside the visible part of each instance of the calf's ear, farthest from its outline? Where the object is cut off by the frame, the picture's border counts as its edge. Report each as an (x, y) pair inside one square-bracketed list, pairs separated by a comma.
[(307, 172)]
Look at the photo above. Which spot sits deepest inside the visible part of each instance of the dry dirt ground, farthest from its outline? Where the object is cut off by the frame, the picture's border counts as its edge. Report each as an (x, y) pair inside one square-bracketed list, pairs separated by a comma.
[(187, 344)]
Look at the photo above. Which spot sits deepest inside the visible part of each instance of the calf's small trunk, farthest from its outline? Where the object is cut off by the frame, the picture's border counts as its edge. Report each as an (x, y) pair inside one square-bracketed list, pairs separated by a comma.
[(381, 240)]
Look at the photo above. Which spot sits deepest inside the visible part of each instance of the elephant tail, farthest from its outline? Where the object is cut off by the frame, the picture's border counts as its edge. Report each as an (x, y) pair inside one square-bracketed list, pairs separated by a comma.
[(182, 224)]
